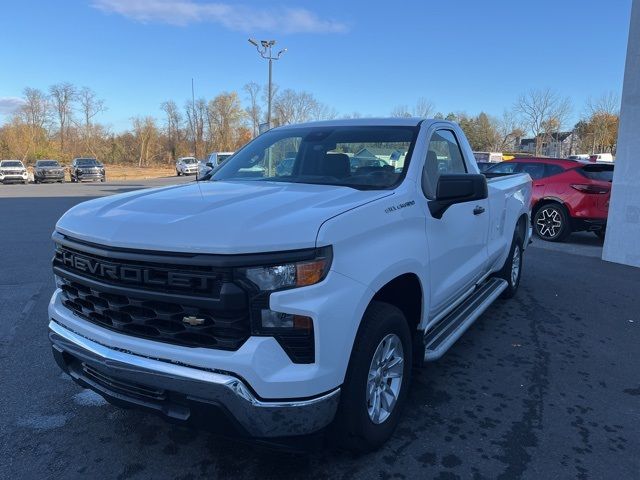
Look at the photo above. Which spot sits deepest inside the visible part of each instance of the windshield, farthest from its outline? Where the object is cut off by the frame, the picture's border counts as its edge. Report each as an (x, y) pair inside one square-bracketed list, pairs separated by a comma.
[(47, 163), (14, 163), (87, 162), (189, 160), (357, 157)]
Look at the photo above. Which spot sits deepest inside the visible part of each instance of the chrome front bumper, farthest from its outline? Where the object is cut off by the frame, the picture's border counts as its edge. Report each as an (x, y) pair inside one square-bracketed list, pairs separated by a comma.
[(173, 390)]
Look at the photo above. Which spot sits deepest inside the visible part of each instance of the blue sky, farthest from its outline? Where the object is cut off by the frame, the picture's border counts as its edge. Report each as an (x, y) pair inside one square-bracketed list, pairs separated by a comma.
[(358, 55)]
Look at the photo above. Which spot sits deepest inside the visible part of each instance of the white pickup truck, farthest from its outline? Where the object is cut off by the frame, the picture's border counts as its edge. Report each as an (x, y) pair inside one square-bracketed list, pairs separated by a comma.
[(280, 305)]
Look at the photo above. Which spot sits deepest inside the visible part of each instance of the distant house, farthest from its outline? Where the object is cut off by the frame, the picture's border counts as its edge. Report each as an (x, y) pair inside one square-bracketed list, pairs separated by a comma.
[(557, 144)]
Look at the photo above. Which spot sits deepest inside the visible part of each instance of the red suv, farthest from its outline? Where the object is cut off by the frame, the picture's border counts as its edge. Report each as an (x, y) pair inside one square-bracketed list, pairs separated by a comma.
[(568, 196)]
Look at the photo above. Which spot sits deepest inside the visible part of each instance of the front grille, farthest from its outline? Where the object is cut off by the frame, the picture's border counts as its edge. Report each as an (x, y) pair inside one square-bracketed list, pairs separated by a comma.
[(156, 320), (194, 305)]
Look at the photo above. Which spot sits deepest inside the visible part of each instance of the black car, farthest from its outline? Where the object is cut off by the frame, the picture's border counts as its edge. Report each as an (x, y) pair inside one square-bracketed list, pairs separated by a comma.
[(48, 171), (83, 169)]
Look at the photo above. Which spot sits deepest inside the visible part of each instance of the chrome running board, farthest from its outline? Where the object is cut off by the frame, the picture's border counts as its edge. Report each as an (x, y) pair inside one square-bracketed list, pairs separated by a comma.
[(445, 333)]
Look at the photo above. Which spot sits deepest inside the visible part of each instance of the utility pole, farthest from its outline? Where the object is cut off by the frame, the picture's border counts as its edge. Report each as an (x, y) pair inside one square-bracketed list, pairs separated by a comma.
[(193, 120), (264, 48)]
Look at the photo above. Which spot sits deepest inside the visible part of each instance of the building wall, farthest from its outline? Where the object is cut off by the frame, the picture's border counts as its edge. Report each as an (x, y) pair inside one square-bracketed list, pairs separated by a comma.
[(622, 243)]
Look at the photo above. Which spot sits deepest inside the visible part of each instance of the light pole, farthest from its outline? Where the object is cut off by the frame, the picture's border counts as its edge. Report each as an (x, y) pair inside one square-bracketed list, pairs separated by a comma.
[(264, 49)]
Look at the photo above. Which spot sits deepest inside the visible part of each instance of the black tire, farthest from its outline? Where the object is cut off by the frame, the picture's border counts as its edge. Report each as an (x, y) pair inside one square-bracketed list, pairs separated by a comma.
[(353, 426), (73, 180), (514, 260), (103, 179), (178, 173), (551, 223)]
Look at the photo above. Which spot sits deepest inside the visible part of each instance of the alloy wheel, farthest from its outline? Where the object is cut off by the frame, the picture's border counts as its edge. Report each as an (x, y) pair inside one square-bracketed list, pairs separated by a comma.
[(515, 265), (385, 378), (549, 223)]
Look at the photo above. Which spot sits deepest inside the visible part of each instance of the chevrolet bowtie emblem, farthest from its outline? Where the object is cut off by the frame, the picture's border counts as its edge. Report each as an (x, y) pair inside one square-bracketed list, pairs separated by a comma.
[(193, 321)]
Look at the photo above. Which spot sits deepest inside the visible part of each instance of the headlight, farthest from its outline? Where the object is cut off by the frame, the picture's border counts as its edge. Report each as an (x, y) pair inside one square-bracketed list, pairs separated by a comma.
[(290, 275)]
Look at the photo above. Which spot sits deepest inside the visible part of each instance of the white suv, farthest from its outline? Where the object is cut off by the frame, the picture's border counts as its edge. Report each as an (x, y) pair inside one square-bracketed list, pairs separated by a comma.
[(187, 166), (13, 171)]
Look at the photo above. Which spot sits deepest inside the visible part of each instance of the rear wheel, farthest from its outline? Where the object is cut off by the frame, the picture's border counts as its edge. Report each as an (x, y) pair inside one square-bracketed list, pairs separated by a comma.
[(376, 384), (551, 223)]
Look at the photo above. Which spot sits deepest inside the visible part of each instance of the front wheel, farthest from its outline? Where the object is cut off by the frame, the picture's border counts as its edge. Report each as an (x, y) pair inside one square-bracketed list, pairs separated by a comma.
[(178, 173), (377, 380), (551, 223)]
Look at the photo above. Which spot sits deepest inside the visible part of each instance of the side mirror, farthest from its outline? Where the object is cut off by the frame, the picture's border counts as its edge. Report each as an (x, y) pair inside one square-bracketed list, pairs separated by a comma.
[(457, 188)]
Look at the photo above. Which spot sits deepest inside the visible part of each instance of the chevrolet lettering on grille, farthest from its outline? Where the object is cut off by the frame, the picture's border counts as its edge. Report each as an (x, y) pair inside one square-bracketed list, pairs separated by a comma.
[(134, 274)]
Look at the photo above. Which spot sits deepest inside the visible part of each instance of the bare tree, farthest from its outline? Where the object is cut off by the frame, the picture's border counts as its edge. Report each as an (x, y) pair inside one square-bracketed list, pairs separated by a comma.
[(146, 133), (225, 116), (173, 123), (252, 90), (541, 110), (90, 105), (294, 107), (35, 113), (196, 113), (62, 96), (602, 115), (424, 108), (401, 111), (510, 130)]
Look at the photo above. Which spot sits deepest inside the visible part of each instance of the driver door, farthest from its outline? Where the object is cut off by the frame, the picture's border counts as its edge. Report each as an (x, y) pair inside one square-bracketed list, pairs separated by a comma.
[(457, 242)]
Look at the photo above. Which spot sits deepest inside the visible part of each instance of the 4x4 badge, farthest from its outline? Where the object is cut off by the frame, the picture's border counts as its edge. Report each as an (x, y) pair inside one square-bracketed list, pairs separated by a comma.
[(193, 321)]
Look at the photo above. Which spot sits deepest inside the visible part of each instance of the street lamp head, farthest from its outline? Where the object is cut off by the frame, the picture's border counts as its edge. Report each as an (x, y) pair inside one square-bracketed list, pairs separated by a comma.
[(253, 42), (281, 52), (264, 43)]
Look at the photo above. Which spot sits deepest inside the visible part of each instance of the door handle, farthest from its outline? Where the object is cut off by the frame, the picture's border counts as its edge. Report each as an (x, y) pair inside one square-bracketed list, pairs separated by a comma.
[(478, 210)]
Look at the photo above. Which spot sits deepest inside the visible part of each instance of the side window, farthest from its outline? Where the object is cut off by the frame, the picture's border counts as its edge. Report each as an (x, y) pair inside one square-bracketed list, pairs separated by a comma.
[(443, 156), (535, 170), (551, 169), (504, 167)]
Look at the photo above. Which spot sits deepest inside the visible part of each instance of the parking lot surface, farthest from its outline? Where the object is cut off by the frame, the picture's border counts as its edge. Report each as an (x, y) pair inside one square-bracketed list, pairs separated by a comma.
[(542, 386)]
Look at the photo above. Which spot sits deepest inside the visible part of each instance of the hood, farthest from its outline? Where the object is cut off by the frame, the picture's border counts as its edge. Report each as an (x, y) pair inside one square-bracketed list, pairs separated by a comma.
[(213, 217)]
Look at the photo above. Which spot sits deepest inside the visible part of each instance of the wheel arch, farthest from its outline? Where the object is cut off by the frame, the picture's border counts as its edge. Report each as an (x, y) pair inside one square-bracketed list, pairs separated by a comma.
[(406, 293), (546, 201)]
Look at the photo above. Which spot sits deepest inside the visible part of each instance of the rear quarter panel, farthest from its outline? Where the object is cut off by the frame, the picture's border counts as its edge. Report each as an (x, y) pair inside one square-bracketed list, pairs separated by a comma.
[(509, 199)]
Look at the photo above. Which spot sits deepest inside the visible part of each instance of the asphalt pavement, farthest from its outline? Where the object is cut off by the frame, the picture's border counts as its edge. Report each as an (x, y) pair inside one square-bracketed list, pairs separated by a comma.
[(546, 385)]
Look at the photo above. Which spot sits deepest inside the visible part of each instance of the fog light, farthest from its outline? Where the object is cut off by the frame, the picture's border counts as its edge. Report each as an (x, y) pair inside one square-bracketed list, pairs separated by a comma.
[(279, 320)]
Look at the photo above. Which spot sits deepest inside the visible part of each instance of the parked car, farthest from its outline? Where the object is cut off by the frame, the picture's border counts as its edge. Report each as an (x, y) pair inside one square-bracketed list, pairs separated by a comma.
[(48, 171), (491, 157), (87, 169), (213, 160), (357, 163), (582, 157), (601, 157), (568, 196), (283, 303), (187, 166), (12, 171)]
